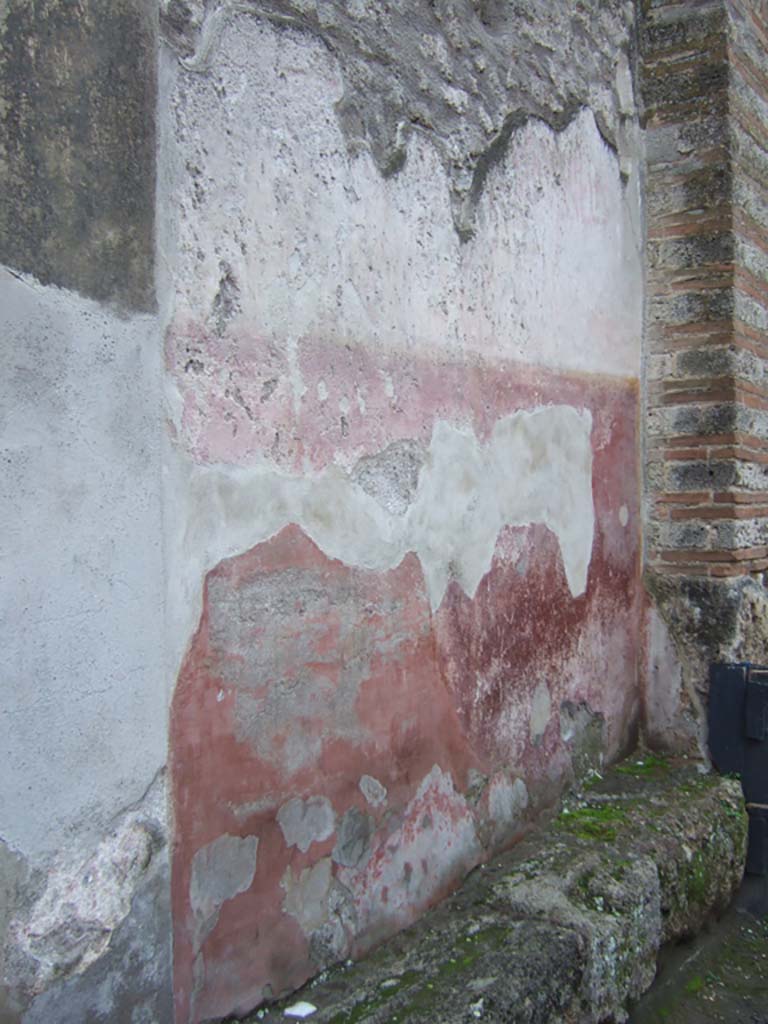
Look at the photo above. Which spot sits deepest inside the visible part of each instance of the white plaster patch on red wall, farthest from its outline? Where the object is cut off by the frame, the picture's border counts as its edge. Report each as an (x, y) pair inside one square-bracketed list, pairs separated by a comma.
[(536, 467)]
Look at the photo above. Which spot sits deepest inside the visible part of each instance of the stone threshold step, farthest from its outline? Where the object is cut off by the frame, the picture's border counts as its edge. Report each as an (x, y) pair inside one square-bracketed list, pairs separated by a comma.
[(565, 927)]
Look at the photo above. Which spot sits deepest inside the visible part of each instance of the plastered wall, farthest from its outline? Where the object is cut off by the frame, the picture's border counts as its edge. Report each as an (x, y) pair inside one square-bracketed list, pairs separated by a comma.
[(322, 517), (403, 531)]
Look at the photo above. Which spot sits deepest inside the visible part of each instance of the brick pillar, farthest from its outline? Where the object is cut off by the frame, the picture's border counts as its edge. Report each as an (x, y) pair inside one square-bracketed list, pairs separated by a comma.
[(704, 82)]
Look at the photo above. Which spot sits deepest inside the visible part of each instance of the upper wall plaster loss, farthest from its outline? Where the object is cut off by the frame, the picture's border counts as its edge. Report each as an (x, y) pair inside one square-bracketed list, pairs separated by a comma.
[(271, 219), (445, 69)]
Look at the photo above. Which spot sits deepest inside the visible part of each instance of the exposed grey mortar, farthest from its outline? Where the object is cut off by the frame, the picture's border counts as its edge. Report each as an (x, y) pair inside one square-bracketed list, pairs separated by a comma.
[(689, 253), (682, 143), (750, 311), (694, 307), (713, 535), (715, 475), (87, 938), (582, 730), (467, 72), (707, 186), (715, 418), (750, 256), (392, 476)]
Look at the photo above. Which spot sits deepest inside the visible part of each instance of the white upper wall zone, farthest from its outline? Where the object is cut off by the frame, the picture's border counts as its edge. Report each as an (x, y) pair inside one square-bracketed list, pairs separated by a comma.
[(83, 719), (257, 176)]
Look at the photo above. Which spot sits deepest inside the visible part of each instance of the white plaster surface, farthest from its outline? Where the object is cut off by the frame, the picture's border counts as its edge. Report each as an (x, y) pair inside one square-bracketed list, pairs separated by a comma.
[(256, 176), (83, 710), (535, 468)]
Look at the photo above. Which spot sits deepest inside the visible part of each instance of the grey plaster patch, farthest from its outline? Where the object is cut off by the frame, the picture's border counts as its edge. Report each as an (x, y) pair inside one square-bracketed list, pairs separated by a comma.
[(583, 731), (306, 895), (353, 842), (391, 477), (304, 822), (220, 871), (507, 801), (541, 709), (445, 69), (373, 790)]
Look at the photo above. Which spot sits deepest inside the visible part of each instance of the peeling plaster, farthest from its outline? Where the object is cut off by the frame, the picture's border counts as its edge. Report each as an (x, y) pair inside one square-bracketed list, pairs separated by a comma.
[(535, 468), (439, 69), (324, 247), (436, 843)]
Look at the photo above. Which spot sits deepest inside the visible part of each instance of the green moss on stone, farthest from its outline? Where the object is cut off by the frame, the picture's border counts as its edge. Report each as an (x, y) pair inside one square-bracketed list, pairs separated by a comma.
[(596, 821), (649, 765)]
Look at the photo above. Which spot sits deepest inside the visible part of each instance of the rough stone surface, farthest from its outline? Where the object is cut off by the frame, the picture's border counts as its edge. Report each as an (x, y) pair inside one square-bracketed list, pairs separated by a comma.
[(87, 937), (445, 69), (77, 145), (702, 80), (697, 621), (568, 926)]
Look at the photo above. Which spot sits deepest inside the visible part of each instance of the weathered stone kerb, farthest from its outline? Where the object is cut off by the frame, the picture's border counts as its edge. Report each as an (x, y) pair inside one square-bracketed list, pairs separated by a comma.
[(566, 927)]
